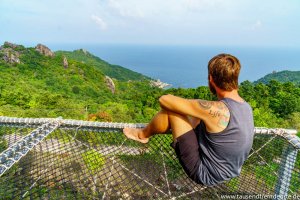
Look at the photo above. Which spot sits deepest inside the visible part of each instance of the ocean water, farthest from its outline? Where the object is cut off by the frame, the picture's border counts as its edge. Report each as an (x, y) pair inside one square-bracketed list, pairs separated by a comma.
[(186, 66)]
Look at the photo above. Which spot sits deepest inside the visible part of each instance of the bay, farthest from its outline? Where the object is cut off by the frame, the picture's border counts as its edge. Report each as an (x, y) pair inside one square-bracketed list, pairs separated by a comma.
[(186, 66)]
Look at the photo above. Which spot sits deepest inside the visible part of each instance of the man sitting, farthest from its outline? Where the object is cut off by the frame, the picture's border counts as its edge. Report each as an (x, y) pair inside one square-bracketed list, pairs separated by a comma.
[(212, 139)]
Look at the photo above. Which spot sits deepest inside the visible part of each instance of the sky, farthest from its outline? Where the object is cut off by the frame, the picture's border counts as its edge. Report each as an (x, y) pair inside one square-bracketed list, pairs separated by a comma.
[(157, 22)]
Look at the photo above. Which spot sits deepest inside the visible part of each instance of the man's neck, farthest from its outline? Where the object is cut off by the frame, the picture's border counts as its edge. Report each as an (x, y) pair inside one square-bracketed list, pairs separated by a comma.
[(229, 94)]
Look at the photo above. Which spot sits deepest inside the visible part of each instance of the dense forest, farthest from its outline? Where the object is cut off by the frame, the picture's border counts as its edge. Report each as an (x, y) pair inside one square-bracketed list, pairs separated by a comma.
[(74, 85)]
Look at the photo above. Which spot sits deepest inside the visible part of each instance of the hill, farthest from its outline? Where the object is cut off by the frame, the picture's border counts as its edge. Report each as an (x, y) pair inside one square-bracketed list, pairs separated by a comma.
[(282, 76), (36, 82), (114, 71)]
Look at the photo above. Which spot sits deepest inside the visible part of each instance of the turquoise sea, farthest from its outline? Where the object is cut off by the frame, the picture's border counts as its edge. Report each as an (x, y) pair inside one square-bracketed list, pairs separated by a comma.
[(186, 66)]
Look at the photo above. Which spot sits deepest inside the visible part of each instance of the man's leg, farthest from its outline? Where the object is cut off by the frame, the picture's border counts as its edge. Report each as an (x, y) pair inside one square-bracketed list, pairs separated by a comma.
[(161, 123), (179, 124), (185, 142)]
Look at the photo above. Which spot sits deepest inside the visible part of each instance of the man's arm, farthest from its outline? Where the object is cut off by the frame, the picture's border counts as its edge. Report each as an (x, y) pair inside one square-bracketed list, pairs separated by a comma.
[(215, 114), (183, 106)]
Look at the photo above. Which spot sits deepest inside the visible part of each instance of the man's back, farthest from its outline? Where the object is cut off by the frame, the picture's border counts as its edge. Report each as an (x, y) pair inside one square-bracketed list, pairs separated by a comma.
[(224, 153)]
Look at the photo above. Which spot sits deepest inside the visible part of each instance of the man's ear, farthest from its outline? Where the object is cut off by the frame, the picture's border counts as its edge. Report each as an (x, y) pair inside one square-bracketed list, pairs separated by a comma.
[(210, 78)]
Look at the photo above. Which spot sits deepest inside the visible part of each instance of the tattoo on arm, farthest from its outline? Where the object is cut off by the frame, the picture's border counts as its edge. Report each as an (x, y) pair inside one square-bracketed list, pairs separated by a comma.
[(223, 121), (216, 110), (224, 118), (205, 104), (215, 113)]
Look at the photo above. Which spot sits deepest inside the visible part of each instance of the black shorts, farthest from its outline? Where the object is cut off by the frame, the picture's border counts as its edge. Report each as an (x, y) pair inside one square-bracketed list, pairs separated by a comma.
[(187, 150)]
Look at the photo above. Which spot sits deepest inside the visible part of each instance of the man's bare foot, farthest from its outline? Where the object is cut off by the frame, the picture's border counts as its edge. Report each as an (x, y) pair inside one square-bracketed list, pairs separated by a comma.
[(133, 133)]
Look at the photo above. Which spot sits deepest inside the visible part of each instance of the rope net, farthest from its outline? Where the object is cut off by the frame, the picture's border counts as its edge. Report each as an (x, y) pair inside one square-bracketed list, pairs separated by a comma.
[(76, 162)]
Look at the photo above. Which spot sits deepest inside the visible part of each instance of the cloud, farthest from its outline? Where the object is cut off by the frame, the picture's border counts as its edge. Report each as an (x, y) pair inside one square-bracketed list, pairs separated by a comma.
[(165, 21), (158, 8), (257, 25), (127, 8), (100, 22), (201, 5)]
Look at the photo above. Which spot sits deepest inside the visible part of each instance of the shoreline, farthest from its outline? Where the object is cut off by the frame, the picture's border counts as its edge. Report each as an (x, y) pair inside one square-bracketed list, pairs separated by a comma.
[(158, 83)]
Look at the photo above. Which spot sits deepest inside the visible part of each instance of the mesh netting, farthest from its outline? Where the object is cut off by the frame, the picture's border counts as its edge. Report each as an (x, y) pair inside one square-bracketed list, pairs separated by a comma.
[(78, 163)]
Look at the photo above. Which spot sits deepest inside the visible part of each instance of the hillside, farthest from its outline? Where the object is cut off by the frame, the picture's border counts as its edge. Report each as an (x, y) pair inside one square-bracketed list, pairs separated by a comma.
[(36, 82), (282, 76), (114, 71)]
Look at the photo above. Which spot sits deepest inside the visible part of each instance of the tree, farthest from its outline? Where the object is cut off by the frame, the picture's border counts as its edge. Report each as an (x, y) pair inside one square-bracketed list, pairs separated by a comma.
[(294, 120)]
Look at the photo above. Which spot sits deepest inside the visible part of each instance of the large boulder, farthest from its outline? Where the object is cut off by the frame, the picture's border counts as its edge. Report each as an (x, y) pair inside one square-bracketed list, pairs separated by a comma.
[(44, 50), (10, 56), (110, 84)]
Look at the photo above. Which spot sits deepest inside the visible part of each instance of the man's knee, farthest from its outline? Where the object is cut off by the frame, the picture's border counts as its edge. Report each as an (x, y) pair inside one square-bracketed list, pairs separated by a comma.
[(177, 117), (179, 124)]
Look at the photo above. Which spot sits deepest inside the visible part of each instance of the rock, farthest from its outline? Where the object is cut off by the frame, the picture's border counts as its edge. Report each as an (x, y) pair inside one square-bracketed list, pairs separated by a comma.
[(159, 84), (44, 50), (11, 45), (10, 56), (65, 62), (8, 53), (110, 84), (84, 51)]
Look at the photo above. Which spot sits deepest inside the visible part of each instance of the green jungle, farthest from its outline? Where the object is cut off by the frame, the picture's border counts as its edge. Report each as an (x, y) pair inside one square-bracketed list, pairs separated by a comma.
[(36, 82)]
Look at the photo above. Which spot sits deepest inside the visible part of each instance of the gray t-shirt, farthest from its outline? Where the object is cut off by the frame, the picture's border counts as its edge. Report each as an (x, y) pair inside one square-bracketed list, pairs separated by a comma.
[(223, 154)]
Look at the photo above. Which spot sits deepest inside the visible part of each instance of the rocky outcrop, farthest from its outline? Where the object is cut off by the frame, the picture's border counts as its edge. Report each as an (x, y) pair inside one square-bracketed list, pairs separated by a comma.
[(65, 62), (11, 56), (8, 54), (110, 84), (44, 50), (10, 45), (84, 51), (159, 84)]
